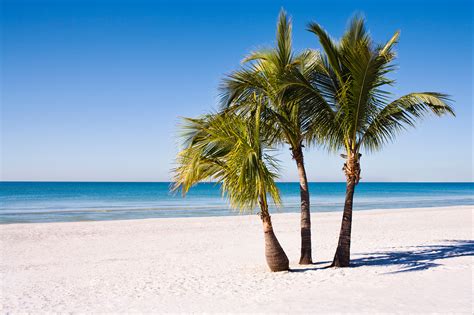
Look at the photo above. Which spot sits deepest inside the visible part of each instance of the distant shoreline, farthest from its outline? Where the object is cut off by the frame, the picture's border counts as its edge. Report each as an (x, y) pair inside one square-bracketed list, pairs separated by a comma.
[(230, 213), (236, 214), (30, 202)]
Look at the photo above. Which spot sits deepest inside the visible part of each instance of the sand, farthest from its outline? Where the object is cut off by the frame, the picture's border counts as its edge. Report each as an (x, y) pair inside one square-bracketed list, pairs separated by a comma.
[(410, 260)]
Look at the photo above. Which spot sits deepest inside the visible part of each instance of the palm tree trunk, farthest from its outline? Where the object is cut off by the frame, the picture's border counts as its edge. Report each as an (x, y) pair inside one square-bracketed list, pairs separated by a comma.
[(274, 253), (306, 257), (343, 251)]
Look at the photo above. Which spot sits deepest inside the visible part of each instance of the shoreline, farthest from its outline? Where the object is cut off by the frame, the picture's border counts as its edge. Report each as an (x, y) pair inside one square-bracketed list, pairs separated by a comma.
[(229, 214), (410, 260)]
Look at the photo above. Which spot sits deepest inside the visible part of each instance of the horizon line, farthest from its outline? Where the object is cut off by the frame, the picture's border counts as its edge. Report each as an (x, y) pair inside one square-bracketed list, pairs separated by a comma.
[(157, 182)]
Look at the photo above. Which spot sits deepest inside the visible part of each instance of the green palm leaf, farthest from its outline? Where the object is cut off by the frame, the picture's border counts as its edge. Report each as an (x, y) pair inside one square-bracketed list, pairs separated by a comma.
[(231, 150), (401, 113)]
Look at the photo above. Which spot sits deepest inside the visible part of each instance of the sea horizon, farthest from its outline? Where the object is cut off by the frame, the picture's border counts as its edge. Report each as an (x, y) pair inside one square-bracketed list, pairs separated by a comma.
[(212, 182), (70, 201)]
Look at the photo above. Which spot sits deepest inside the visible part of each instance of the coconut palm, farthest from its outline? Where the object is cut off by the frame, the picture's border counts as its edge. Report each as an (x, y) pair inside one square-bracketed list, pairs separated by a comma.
[(265, 73), (233, 151), (348, 86)]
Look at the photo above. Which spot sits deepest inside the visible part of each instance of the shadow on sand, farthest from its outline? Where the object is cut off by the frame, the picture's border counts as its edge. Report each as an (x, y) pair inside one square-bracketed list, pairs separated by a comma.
[(314, 266), (418, 257), (414, 259)]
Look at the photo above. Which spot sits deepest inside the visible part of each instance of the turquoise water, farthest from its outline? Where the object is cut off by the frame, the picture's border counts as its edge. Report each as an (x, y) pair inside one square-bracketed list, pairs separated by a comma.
[(22, 202)]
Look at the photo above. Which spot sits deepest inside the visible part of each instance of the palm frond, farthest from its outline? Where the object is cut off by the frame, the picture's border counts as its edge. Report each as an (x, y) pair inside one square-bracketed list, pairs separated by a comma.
[(330, 47), (355, 34), (267, 76), (232, 150), (348, 84), (401, 113)]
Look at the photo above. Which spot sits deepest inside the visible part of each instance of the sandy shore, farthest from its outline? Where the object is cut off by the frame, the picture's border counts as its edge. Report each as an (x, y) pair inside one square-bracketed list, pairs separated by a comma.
[(411, 260)]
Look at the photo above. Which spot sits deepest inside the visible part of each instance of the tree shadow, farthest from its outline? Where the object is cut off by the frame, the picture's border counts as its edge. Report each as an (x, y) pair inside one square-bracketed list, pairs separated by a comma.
[(313, 266), (417, 257)]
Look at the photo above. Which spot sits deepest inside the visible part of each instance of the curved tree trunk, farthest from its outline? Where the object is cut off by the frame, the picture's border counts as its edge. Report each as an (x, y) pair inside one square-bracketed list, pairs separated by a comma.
[(343, 251), (274, 253), (306, 257)]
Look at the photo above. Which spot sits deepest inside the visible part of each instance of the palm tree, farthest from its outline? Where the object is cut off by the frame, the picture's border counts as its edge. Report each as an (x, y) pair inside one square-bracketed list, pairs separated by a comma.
[(265, 74), (233, 151), (348, 87)]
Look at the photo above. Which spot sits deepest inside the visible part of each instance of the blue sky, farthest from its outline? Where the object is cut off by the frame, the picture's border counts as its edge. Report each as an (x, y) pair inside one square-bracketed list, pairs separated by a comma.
[(93, 90)]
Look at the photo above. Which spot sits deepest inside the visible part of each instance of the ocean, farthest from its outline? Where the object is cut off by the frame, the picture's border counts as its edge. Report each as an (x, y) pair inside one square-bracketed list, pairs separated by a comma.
[(25, 202)]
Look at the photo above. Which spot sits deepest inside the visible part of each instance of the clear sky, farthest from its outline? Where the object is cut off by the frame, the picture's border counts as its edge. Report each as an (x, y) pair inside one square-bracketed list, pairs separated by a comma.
[(93, 90)]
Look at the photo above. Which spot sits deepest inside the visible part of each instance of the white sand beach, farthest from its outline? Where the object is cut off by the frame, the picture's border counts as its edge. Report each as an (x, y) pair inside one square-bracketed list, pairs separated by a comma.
[(410, 260)]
